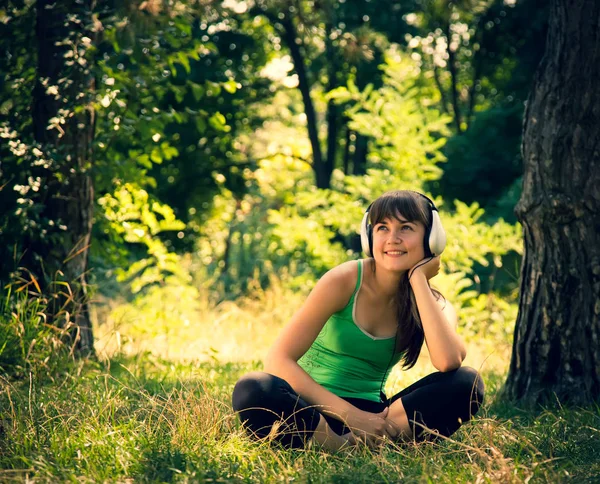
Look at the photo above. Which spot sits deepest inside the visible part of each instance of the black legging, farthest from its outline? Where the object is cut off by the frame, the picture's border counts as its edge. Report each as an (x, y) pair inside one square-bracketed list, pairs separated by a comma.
[(440, 401)]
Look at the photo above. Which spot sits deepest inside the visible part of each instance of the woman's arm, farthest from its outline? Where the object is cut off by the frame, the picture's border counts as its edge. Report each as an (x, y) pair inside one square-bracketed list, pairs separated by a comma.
[(446, 348), (331, 294)]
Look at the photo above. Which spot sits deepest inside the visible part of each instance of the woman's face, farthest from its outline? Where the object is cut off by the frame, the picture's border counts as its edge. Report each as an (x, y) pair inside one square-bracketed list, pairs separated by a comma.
[(398, 243)]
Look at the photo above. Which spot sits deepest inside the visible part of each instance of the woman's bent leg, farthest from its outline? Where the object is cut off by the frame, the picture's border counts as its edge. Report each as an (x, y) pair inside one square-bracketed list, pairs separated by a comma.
[(441, 401), (263, 400)]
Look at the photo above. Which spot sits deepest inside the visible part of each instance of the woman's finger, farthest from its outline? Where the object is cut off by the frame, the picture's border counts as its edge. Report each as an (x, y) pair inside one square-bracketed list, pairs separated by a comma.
[(392, 431), (351, 438), (373, 442)]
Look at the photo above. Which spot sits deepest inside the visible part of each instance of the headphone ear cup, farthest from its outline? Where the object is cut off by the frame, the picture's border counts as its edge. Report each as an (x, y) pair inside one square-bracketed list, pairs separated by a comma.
[(366, 234), (437, 236)]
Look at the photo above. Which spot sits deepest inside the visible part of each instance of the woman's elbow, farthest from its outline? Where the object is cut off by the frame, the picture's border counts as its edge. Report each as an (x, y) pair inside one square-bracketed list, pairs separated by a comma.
[(270, 362), (450, 364), (273, 362)]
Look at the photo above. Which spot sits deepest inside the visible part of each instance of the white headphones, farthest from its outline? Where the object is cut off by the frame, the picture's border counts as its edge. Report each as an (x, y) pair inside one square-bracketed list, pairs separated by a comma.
[(434, 241)]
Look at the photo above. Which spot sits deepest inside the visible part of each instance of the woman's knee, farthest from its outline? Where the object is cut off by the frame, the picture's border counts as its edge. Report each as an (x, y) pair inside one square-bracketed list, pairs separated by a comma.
[(251, 390), (470, 384)]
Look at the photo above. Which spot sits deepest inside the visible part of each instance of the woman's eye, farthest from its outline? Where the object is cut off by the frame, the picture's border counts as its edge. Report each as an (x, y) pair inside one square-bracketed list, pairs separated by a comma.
[(381, 227), (406, 227)]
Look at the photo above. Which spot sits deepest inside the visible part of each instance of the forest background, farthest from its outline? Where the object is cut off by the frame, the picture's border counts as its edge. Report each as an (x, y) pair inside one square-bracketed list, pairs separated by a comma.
[(235, 148)]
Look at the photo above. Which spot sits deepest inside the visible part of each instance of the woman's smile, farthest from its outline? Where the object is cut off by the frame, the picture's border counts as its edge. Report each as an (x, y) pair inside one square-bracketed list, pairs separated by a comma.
[(394, 253)]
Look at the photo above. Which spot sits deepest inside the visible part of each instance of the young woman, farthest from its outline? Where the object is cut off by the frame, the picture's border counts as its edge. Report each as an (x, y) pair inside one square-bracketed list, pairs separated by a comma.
[(325, 374)]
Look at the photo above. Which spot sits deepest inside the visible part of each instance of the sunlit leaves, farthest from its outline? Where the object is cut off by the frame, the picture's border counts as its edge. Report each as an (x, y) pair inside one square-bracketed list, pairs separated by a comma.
[(138, 220), (407, 133), (231, 86), (218, 122)]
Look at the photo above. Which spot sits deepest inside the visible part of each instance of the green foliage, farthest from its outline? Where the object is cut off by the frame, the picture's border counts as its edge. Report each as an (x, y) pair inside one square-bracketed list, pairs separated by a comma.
[(156, 106), (132, 217), (494, 47), (408, 133), (471, 240), (175, 96)]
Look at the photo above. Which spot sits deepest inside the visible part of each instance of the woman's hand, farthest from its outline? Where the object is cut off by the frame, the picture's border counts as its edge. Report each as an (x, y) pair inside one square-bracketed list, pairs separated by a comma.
[(371, 428), (429, 268)]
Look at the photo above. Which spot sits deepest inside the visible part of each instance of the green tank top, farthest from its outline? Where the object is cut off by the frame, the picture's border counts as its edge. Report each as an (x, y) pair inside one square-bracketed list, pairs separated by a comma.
[(347, 360)]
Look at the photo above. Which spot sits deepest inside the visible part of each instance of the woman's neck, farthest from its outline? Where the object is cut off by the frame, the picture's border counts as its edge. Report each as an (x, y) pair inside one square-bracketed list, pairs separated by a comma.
[(385, 282)]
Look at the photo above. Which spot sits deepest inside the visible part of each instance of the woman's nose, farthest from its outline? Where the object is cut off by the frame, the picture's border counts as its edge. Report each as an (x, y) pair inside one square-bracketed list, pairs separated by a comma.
[(397, 235)]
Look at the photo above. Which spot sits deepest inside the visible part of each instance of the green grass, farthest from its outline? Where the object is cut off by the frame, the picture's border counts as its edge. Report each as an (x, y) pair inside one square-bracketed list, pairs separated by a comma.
[(145, 418), (156, 408)]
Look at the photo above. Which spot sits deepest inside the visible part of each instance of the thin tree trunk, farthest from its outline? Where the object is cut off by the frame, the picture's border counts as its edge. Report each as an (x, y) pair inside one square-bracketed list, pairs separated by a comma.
[(332, 109), (557, 335), (360, 154), (289, 37), (438, 83), (64, 83), (347, 141), (476, 65), (454, 82), (473, 89), (225, 269)]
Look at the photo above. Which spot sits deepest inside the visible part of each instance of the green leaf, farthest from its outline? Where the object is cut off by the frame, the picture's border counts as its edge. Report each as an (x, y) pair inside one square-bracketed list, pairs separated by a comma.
[(200, 124), (218, 122), (339, 95), (168, 151), (184, 61), (213, 89), (144, 160), (230, 86), (179, 93), (198, 91), (155, 156)]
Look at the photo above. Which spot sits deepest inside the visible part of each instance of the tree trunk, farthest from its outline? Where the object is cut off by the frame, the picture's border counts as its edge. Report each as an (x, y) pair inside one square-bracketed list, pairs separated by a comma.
[(453, 81), (555, 351), (347, 141), (332, 109), (438, 83), (360, 154), (289, 36), (63, 121)]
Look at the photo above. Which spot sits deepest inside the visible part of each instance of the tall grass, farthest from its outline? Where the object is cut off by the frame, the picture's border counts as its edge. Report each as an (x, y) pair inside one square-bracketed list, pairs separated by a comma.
[(164, 415), (28, 342)]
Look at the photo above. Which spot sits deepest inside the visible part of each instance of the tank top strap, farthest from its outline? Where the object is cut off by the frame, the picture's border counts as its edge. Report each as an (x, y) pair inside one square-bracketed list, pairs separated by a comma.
[(359, 278)]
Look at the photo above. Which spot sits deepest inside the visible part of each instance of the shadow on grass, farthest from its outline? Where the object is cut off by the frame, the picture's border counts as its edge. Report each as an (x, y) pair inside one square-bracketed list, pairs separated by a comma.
[(160, 462)]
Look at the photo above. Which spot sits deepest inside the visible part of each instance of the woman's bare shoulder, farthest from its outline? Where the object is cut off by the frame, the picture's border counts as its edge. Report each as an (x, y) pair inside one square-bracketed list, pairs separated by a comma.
[(344, 276)]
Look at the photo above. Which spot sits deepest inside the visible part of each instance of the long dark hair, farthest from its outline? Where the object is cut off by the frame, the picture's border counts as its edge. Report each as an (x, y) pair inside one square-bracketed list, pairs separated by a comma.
[(414, 208)]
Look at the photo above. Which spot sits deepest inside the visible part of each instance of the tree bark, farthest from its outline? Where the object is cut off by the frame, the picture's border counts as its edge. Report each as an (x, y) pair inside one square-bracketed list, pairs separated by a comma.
[(555, 351), (63, 122)]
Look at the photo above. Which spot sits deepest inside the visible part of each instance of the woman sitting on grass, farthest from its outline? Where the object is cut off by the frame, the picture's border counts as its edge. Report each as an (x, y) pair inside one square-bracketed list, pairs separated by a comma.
[(326, 371)]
